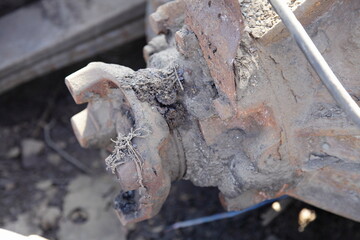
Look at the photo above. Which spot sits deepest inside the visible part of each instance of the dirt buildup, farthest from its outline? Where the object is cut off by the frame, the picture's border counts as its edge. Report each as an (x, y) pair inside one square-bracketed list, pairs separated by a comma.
[(246, 62), (160, 88), (260, 17), (157, 86), (175, 115)]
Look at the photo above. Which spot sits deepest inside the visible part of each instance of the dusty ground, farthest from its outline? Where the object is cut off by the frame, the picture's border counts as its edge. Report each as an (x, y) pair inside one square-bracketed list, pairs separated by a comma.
[(44, 194)]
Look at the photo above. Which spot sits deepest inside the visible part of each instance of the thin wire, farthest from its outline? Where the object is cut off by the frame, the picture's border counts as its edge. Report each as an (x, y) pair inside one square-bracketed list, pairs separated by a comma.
[(332, 83), (221, 216), (75, 162)]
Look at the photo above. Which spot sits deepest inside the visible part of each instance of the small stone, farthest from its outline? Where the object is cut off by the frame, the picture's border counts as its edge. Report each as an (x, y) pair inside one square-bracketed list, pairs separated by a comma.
[(13, 152), (61, 144), (313, 157), (10, 186), (184, 197), (54, 159), (49, 218), (131, 226), (30, 149), (326, 147), (7, 184), (158, 229), (44, 185)]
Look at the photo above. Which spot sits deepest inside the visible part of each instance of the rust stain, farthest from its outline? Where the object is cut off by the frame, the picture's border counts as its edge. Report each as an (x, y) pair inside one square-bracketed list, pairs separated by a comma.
[(250, 120), (218, 27)]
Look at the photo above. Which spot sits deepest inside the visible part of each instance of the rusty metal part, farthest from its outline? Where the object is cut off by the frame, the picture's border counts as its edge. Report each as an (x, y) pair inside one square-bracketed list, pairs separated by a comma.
[(224, 18), (114, 108), (332, 83), (253, 119)]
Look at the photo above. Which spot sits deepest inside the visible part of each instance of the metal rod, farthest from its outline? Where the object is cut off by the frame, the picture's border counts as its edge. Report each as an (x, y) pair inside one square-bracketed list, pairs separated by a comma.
[(332, 83)]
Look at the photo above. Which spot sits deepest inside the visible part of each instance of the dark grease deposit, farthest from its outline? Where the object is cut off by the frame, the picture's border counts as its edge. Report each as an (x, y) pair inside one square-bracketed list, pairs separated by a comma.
[(125, 202)]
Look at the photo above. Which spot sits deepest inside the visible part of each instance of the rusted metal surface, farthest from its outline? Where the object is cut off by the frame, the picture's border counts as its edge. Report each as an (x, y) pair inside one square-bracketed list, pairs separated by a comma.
[(218, 26), (119, 109), (253, 119)]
